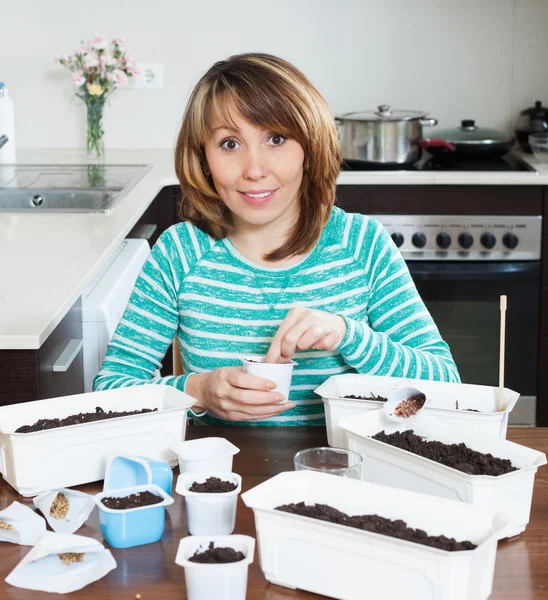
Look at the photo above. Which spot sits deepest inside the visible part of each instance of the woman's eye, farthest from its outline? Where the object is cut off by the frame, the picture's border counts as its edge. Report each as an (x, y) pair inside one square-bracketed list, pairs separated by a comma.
[(229, 144), (277, 140)]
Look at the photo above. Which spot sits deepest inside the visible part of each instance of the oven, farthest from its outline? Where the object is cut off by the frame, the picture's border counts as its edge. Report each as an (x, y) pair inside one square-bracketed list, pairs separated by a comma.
[(461, 266)]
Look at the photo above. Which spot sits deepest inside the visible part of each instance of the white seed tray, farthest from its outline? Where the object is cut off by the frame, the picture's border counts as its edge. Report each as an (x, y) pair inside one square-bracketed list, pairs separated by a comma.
[(351, 564), (510, 494), (65, 456), (441, 396)]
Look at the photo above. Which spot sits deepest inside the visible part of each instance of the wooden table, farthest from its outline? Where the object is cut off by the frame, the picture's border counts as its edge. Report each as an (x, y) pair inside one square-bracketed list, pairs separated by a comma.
[(521, 568)]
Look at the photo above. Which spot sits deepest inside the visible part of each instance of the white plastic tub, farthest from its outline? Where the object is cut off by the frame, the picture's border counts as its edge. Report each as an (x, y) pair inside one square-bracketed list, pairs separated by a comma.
[(351, 564), (215, 581), (205, 454), (67, 456), (207, 513), (441, 397), (510, 494)]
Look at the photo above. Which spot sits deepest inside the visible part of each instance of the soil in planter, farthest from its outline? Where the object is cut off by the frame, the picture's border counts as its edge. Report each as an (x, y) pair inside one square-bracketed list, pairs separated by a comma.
[(213, 485), (132, 501), (456, 456), (217, 555), (372, 397), (376, 524), (466, 409), (98, 415)]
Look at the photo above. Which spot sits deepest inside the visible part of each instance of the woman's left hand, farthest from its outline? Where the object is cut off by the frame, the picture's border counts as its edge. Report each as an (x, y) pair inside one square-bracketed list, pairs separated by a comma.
[(305, 328)]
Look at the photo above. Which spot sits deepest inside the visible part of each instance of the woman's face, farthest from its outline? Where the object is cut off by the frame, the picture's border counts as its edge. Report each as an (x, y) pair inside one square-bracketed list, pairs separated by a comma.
[(256, 172)]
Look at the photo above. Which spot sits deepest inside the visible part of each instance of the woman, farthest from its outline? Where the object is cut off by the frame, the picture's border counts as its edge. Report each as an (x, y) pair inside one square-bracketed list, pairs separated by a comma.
[(265, 264)]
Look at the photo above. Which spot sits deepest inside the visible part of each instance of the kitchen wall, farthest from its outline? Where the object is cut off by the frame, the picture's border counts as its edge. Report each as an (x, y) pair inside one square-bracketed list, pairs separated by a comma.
[(480, 59)]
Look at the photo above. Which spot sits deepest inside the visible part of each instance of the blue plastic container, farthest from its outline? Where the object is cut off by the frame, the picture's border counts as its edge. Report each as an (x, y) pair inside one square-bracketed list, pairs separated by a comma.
[(133, 526), (125, 471)]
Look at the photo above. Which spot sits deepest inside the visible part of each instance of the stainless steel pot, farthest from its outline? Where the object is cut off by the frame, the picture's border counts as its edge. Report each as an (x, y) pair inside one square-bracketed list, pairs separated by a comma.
[(387, 137)]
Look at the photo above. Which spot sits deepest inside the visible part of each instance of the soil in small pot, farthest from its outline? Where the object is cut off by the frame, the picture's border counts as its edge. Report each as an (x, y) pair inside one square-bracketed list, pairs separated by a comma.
[(372, 397), (376, 524), (456, 456), (98, 415), (132, 501), (217, 555), (213, 485)]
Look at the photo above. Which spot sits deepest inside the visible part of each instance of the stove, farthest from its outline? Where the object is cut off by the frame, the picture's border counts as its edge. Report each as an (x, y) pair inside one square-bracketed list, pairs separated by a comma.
[(507, 163), (465, 237)]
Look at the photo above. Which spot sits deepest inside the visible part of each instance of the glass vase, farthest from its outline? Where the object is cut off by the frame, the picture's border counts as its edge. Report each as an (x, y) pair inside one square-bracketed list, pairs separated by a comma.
[(95, 141)]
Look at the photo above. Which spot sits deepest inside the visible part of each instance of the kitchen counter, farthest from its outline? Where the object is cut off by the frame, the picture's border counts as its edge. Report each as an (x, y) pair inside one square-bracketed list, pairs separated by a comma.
[(48, 260), (150, 570)]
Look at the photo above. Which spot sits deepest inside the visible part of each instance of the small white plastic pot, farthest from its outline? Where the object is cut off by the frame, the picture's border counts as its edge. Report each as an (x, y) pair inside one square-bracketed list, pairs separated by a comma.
[(213, 454), (279, 373), (226, 581), (207, 513)]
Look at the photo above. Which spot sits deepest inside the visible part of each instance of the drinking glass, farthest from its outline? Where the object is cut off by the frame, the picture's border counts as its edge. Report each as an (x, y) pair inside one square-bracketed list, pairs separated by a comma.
[(336, 461)]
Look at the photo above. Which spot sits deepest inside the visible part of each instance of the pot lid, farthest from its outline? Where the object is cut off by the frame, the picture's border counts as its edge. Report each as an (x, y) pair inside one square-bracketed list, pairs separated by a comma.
[(384, 113), (536, 112), (470, 133)]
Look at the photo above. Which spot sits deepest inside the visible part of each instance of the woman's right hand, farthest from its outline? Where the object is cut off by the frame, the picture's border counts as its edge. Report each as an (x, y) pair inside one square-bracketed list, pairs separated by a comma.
[(233, 395)]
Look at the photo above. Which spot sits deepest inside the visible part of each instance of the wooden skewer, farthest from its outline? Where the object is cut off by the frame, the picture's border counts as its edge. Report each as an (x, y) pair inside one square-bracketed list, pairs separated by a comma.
[(502, 348)]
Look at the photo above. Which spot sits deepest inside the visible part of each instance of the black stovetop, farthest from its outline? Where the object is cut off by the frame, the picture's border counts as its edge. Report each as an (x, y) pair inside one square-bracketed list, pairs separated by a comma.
[(509, 162)]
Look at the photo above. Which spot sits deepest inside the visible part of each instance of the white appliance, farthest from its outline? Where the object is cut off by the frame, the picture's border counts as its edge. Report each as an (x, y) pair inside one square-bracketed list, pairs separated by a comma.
[(105, 300)]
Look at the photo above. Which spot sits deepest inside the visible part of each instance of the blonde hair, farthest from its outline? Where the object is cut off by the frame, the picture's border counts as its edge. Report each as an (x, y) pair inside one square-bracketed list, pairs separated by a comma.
[(271, 94)]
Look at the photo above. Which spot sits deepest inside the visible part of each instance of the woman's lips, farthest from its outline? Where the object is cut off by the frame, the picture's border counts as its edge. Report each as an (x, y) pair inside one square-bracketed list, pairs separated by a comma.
[(258, 198)]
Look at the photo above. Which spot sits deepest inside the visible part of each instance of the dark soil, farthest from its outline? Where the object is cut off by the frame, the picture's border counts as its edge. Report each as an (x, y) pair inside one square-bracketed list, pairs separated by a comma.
[(374, 523), (217, 555), (466, 409), (213, 485), (372, 397), (132, 501), (98, 415), (456, 456)]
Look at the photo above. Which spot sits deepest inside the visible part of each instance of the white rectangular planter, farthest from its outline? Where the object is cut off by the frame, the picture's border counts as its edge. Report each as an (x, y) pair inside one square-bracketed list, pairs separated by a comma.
[(67, 456), (442, 403), (351, 564), (510, 494)]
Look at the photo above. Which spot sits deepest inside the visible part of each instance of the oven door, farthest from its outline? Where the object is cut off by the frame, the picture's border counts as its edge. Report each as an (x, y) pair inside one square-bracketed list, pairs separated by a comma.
[(464, 301)]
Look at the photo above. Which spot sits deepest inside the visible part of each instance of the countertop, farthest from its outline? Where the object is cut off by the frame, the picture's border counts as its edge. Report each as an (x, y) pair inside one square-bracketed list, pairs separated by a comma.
[(520, 569), (48, 260)]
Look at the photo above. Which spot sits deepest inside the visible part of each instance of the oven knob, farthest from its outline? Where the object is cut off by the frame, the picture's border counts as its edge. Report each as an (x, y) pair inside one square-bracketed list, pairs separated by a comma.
[(443, 240), (488, 240), (466, 240), (510, 240), (419, 240), (398, 239)]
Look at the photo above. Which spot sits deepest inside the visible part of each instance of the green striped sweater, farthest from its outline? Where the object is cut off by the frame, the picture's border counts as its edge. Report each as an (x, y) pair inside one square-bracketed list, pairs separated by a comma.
[(223, 306)]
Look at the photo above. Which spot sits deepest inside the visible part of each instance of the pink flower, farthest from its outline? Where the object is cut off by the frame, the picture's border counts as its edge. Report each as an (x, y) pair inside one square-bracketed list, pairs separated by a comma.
[(120, 77), (91, 60), (78, 78), (98, 42), (110, 76), (118, 41), (110, 60), (84, 49)]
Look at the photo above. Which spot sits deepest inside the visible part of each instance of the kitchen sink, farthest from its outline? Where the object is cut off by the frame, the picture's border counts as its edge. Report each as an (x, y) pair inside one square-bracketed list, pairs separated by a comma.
[(66, 188)]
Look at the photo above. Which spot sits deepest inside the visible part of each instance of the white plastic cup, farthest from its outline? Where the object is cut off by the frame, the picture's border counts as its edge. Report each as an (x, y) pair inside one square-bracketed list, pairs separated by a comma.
[(211, 454), (207, 513), (226, 581), (279, 373)]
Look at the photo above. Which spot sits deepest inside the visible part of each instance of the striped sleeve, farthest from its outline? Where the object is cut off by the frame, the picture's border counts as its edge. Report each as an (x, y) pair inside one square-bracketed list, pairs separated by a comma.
[(397, 336), (151, 318)]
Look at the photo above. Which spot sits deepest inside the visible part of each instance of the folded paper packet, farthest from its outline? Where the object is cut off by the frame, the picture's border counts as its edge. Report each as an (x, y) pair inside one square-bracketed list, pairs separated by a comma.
[(65, 510), (62, 563), (19, 524)]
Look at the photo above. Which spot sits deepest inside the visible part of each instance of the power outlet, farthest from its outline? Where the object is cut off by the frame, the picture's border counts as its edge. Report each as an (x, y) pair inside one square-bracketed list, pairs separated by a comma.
[(151, 76)]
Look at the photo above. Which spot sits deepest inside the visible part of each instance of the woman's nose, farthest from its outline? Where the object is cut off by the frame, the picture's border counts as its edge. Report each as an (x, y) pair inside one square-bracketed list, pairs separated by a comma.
[(254, 165)]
